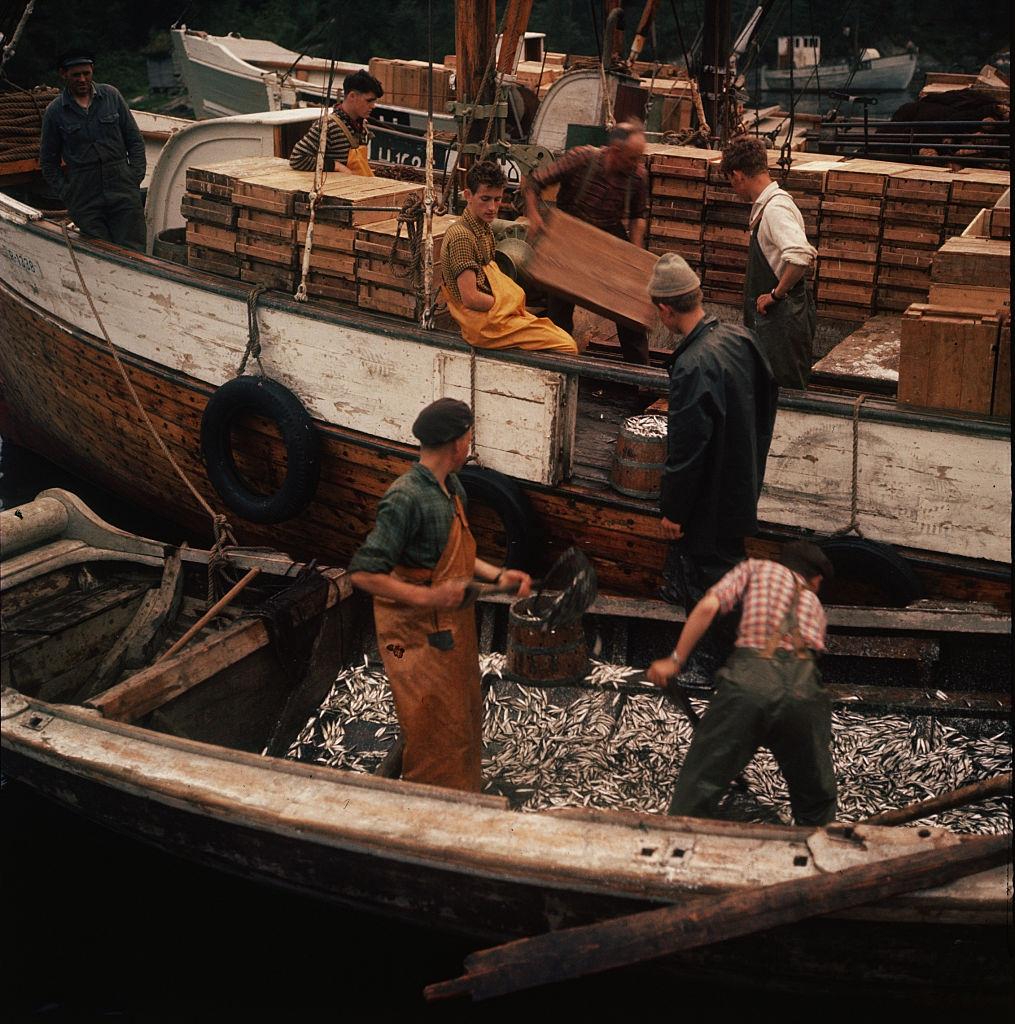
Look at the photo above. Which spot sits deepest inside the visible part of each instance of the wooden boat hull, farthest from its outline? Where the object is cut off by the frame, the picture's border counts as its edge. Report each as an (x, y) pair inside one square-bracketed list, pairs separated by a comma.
[(64, 398), (874, 955)]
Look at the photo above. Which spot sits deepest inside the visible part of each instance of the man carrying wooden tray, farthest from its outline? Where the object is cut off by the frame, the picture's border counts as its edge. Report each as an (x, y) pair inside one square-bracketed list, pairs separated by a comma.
[(486, 304), (348, 135), (416, 563), (606, 187), (778, 305)]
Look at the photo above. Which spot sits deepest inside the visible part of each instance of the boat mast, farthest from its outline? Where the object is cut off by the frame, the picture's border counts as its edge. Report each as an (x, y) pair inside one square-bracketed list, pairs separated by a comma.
[(713, 77)]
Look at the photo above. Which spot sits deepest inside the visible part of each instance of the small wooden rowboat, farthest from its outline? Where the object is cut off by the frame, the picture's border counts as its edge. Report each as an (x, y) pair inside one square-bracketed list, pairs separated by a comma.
[(180, 753)]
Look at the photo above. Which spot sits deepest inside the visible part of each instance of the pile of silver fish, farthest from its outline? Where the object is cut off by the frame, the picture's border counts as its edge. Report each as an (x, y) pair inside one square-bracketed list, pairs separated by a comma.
[(646, 426), (601, 746)]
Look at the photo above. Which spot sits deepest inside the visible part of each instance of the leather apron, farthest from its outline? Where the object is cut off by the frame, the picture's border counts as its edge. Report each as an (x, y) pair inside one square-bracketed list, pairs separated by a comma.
[(431, 658), (357, 161), (786, 332), (508, 324)]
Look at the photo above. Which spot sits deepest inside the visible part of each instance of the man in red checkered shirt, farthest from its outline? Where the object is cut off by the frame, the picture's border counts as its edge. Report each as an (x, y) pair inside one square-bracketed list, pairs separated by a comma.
[(769, 692)]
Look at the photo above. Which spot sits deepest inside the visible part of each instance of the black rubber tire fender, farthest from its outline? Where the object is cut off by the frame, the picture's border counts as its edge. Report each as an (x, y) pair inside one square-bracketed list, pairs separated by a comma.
[(855, 558), (509, 502), (261, 396)]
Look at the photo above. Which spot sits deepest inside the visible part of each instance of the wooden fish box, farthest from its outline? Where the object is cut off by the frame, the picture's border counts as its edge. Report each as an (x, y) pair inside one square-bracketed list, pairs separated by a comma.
[(678, 188), (265, 250), (331, 286), (948, 358), (853, 206), (862, 177), (960, 216), (270, 275), (914, 236), (212, 261), (977, 261), (386, 300), (847, 270), (680, 161), (665, 208), (915, 211), (267, 225), (732, 237), (1000, 217), (920, 184), (807, 172), (969, 296), (211, 236), (217, 180), (979, 186), (896, 298), (327, 236), (207, 210), (833, 225), (691, 251), (848, 249), (687, 231)]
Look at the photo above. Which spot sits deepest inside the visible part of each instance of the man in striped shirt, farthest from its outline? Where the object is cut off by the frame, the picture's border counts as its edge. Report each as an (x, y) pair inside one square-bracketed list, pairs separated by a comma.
[(348, 135), (769, 692)]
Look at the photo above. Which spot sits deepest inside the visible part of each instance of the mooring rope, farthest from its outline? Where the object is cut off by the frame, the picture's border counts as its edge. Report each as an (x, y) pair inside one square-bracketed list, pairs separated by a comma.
[(220, 524), (253, 331), (854, 524)]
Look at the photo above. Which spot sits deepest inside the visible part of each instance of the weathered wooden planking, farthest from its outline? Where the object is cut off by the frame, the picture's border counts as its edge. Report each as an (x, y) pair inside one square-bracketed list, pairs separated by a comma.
[(596, 270), (968, 296), (212, 261), (355, 376), (211, 236), (916, 487), (1001, 402), (948, 358), (870, 353), (862, 177), (210, 211), (217, 179)]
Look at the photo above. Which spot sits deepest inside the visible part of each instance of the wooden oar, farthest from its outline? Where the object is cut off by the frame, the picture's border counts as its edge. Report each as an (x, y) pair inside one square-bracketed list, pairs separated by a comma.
[(704, 920), (208, 616), (1000, 785)]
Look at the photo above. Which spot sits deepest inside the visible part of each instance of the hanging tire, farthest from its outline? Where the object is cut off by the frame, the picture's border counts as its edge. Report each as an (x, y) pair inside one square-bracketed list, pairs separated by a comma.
[(508, 502), (261, 396), (868, 572)]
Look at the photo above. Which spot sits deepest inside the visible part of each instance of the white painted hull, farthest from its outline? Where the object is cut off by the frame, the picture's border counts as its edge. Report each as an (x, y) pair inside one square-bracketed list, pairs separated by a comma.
[(879, 75), (920, 487)]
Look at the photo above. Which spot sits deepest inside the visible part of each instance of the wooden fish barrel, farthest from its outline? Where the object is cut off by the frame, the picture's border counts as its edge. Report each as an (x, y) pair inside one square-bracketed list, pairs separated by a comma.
[(638, 464), (557, 657)]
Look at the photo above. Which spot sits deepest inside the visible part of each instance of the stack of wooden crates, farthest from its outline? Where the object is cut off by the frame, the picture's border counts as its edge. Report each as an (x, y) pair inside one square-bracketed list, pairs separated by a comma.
[(405, 83), (956, 348), (248, 219)]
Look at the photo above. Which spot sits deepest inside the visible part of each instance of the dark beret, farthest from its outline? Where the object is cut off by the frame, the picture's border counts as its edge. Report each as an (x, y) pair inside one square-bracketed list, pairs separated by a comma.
[(442, 421), (75, 55)]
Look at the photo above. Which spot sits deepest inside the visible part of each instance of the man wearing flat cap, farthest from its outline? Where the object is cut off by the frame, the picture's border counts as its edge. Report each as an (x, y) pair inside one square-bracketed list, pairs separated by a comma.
[(722, 402), (417, 562), (90, 130)]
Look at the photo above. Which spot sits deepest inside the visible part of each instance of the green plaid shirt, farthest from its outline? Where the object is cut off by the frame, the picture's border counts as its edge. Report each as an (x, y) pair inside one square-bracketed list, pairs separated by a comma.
[(467, 245), (413, 521)]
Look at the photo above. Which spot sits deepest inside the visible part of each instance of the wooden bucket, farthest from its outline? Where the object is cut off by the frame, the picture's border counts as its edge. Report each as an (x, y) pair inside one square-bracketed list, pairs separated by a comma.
[(171, 245), (559, 657), (638, 464)]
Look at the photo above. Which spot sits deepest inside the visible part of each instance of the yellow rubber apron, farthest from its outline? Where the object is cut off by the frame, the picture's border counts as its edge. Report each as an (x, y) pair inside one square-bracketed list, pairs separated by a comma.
[(507, 324), (432, 661), (357, 161)]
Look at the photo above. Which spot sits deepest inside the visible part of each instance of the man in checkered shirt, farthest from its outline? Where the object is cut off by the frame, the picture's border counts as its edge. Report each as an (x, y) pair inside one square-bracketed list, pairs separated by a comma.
[(769, 692)]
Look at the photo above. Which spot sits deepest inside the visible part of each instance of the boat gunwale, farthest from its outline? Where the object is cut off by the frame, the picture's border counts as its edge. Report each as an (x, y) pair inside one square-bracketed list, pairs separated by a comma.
[(584, 368), (555, 872)]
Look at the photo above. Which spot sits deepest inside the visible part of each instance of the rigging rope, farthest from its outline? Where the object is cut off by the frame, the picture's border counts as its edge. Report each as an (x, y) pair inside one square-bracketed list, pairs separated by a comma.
[(854, 523), (220, 524), (253, 331)]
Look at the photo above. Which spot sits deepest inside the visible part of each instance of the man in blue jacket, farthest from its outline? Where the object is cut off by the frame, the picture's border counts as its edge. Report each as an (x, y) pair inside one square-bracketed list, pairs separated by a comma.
[(89, 129), (722, 402)]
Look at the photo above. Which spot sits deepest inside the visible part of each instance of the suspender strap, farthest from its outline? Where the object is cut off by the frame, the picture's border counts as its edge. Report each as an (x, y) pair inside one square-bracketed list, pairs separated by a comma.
[(790, 626)]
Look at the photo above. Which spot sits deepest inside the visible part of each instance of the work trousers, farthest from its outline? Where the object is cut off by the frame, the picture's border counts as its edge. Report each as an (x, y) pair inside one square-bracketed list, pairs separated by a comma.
[(104, 201), (633, 341), (778, 703)]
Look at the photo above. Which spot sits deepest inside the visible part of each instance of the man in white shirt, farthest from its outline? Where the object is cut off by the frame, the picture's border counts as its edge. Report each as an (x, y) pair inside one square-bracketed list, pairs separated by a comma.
[(778, 305)]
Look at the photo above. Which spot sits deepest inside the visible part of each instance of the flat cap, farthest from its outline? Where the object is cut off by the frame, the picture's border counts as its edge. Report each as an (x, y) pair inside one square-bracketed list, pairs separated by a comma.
[(75, 55), (442, 421), (672, 277)]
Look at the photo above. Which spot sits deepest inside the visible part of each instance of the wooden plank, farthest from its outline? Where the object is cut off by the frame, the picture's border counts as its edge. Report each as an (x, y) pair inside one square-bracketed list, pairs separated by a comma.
[(968, 296), (210, 236), (167, 680), (610, 277), (207, 210), (985, 262), (1001, 403), (212, 261), (268, 225), (588, 949)]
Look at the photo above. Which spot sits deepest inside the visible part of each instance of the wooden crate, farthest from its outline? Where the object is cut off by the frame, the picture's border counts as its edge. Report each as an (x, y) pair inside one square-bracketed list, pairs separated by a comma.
[(920, 184), (327, 236), (267, 225), (948, 358), (915, 211), (680, 161), (207, 210), (976, 261), (211, 236), (1000, 217), (265, 250), (692, 189), (969, 296), (979, 186), (912, 236), (329, 286), (896, 298), (212, 261), (217, 180), (681, 230), (270, 275), (862, 177)]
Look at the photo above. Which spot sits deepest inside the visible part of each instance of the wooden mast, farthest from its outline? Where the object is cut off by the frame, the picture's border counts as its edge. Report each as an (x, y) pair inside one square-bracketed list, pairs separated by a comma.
[(715, 51), (516, 21)]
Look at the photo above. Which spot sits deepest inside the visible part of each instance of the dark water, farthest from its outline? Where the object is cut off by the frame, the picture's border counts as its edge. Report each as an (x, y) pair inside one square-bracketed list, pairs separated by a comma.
[(101, 927)]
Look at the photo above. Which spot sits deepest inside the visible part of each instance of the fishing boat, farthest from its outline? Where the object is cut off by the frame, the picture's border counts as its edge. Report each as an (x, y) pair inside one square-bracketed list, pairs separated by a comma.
[(189, 754), (545, 425), (801, 69)]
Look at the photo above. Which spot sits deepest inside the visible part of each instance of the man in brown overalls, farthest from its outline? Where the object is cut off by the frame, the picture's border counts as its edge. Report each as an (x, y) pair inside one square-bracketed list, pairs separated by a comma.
[(416, 563), (778, 305)]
